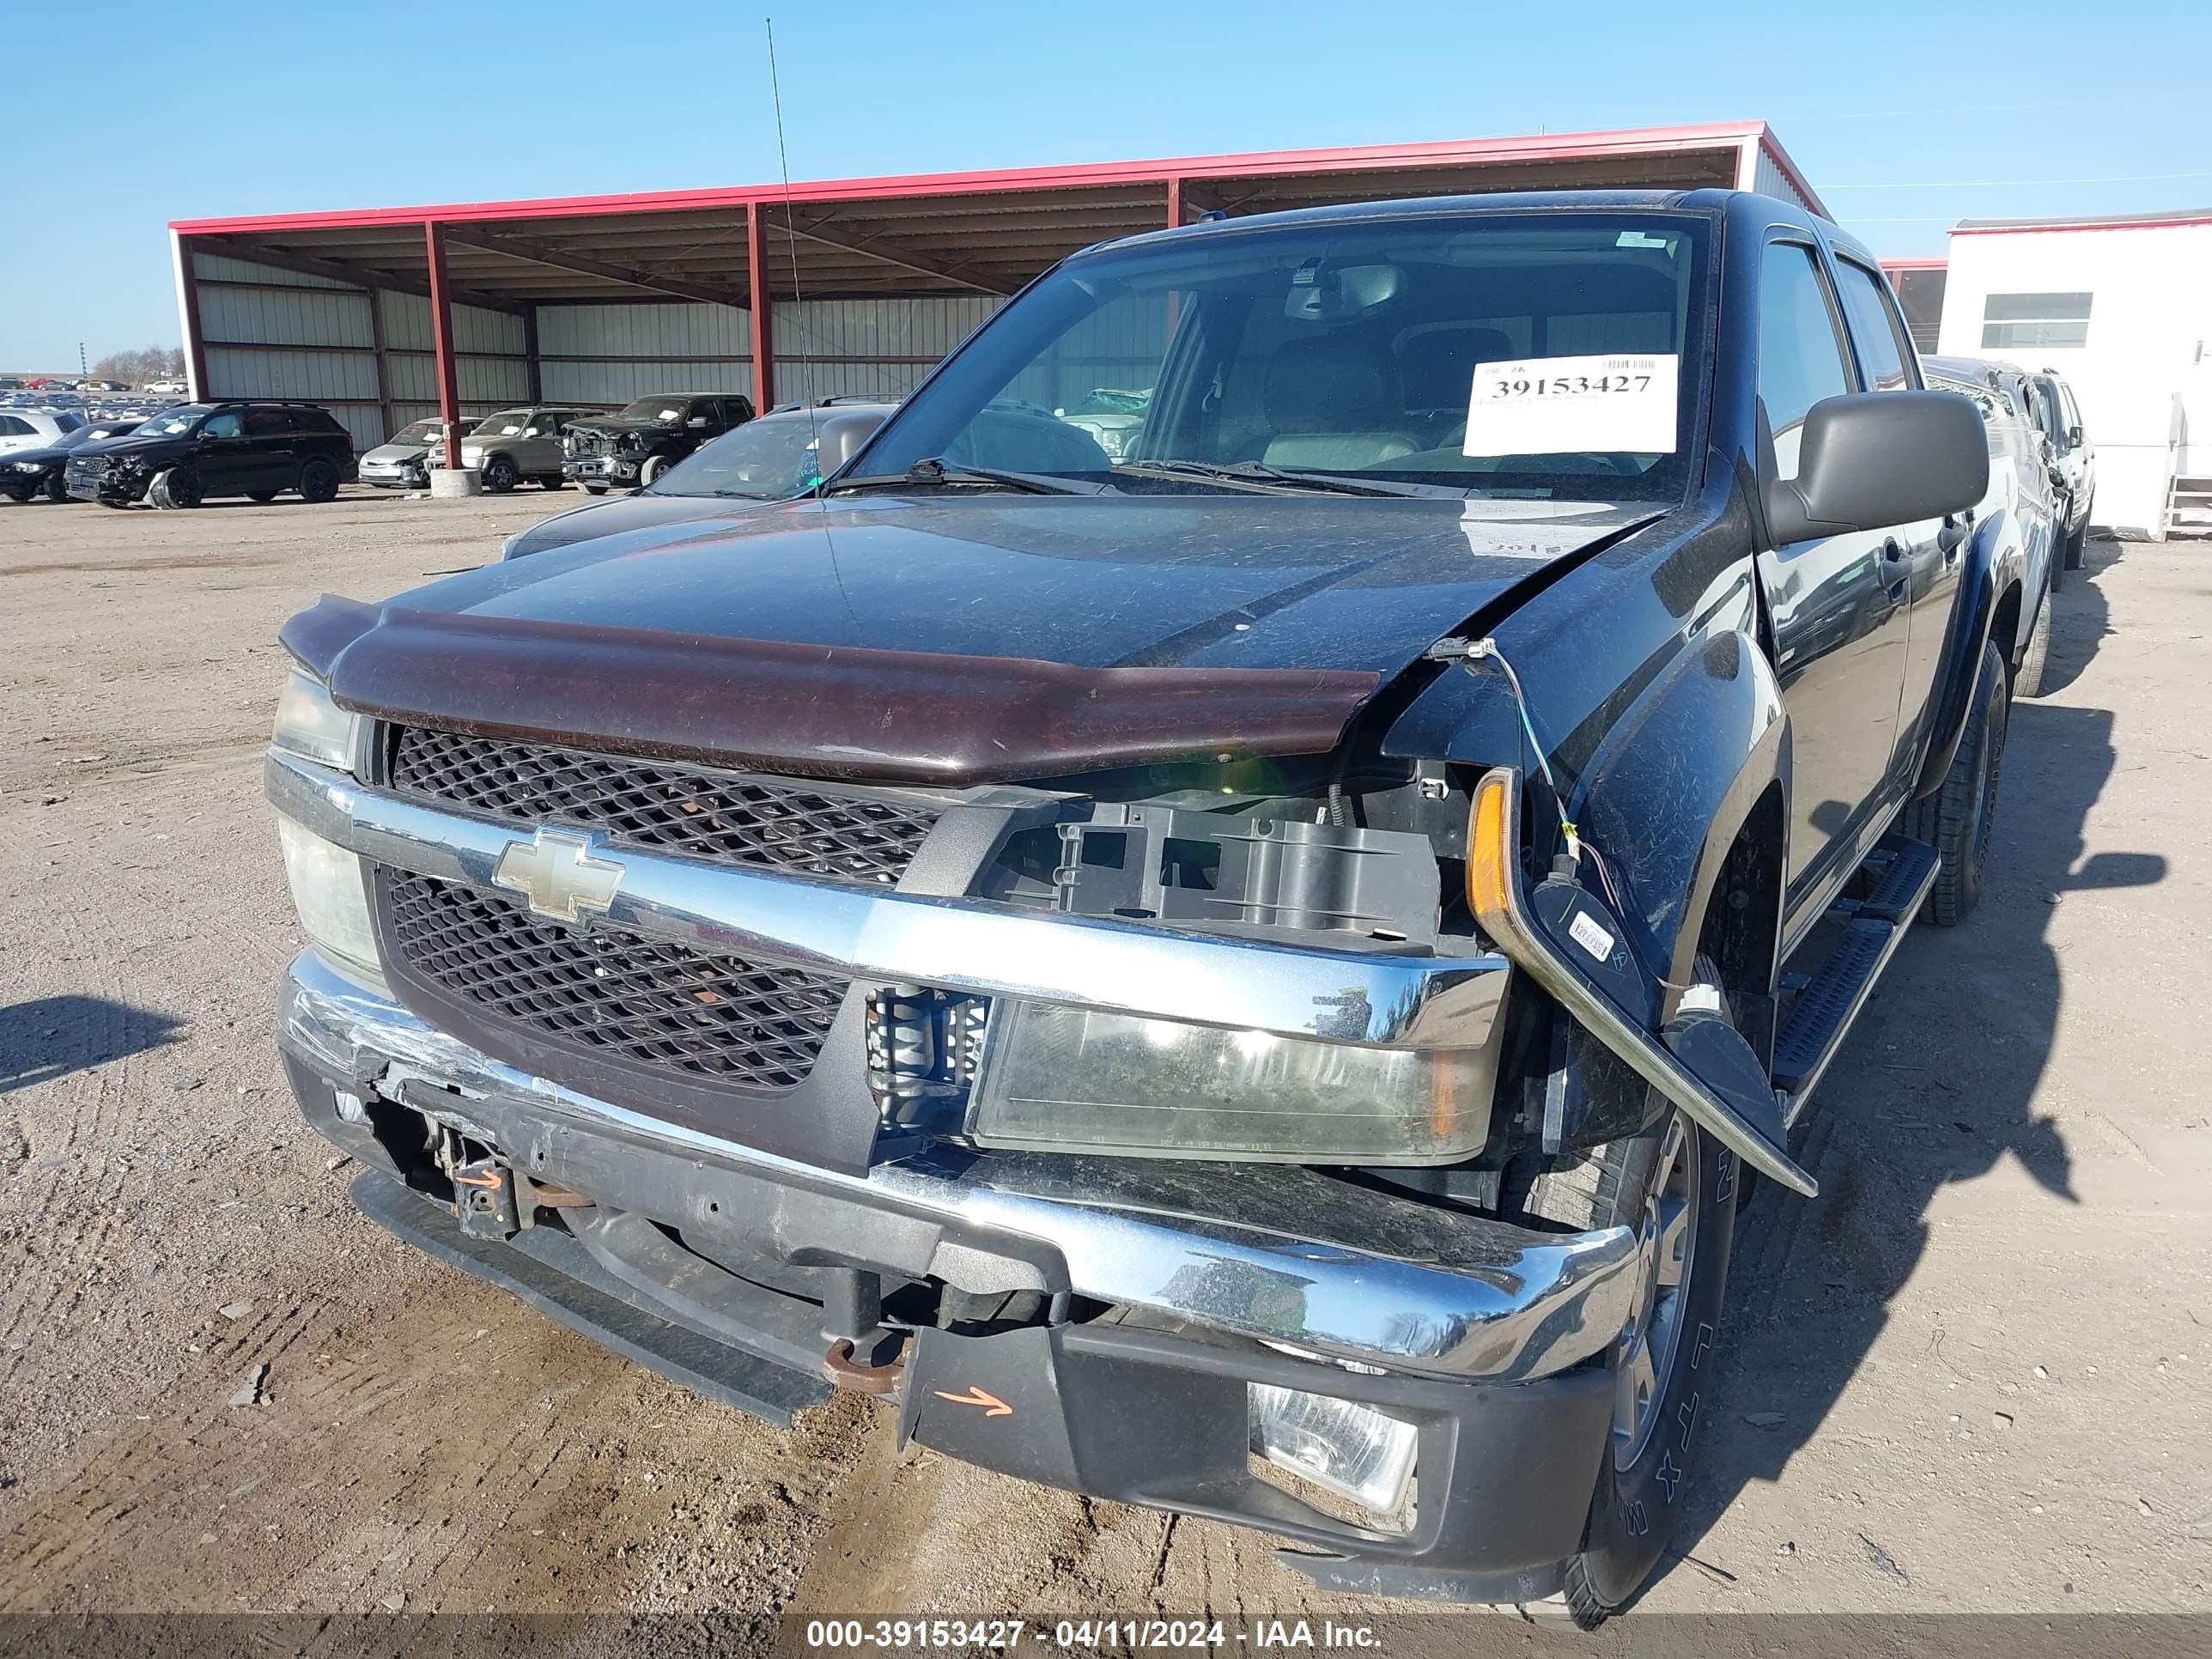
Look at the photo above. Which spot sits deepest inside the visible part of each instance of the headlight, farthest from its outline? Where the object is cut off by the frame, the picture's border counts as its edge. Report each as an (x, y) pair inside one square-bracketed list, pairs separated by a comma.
[(27, 466), (331, 895), (309, 724), (1073, 1080), (471, 457)]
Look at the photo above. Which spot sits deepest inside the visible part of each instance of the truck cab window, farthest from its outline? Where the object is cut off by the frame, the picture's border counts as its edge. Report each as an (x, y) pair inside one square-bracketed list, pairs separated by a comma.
[(1801, 359), (1874, 328)]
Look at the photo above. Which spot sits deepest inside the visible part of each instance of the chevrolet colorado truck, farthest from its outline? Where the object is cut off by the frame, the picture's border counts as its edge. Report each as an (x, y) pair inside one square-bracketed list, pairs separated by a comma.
[(1247, 976)]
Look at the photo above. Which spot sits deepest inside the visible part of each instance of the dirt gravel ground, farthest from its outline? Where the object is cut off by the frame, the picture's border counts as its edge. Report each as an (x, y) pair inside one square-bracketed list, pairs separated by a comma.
[(1972, 1377)]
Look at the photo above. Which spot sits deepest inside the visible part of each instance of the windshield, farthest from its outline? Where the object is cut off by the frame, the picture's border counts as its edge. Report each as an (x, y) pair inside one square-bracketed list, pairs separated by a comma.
[(175, 422), (422, 432), (661, 410), (508, 423), (1545, 355), (765, 460), (97, 430)]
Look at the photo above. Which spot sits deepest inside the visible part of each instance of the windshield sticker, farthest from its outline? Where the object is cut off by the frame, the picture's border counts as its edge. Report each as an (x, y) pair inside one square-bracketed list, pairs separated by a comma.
[(1573, 405)]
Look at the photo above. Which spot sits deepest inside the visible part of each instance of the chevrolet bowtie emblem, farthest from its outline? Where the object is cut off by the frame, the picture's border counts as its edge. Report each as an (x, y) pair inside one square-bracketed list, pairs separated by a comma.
[(557, 873)]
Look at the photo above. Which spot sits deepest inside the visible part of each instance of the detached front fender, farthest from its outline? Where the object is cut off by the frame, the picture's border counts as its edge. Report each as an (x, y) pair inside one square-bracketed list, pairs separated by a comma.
[(1667, 792)]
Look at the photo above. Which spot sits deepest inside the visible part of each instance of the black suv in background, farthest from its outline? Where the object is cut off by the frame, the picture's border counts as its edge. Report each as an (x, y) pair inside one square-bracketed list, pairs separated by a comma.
[(647, 436), (185, 455)]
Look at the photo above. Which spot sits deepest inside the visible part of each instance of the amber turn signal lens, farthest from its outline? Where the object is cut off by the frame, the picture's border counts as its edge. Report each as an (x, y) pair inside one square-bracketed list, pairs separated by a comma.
[(1489, 845)]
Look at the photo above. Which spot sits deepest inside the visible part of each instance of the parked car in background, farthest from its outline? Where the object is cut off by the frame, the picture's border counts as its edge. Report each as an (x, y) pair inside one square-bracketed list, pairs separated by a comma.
[(195, 452), (647, 436), (167, 389), (772, 458), (25, 473), (522, 444), (2014, 527), (1112, 415), (2073, 462), (403, 460), (35, 428)]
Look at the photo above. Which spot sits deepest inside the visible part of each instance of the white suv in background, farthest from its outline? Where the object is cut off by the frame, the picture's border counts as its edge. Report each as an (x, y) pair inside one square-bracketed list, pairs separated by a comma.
[(38, 428)]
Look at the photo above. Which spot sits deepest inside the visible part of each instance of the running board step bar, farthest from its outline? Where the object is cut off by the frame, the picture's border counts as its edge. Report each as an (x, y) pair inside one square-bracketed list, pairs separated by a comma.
[(1831, 1001)]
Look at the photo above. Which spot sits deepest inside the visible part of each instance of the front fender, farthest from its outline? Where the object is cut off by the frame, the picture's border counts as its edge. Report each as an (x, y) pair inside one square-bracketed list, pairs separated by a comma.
[(1962, 652), (1666, 794)]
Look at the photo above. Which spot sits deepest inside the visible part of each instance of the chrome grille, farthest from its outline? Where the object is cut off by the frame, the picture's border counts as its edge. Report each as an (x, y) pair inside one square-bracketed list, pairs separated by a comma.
[(729, 816)]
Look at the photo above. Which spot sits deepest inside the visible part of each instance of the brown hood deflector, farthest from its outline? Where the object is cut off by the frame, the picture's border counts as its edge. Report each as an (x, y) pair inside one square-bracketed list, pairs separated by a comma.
[(809, 710)]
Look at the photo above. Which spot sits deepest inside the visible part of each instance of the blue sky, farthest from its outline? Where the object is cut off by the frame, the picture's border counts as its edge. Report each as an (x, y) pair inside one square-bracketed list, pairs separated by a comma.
[(1908, 117)]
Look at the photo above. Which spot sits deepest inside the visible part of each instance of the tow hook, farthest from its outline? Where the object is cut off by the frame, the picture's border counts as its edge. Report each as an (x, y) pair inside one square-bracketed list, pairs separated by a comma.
[(878, 1381)]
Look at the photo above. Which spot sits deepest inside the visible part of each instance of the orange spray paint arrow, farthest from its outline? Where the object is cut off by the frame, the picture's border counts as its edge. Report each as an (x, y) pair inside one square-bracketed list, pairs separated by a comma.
[(991, 1405)]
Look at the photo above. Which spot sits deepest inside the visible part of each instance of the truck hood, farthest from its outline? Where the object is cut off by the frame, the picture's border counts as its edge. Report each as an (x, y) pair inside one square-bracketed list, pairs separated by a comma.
[(669, 517), (1244, 581), (1051, 632)]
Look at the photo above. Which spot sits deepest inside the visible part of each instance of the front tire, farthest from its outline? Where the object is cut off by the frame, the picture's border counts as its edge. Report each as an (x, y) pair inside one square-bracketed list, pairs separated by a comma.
[(318, 481), (2076, 541), (499, 476), (1677, 1186), (593, 489), (653, 467), (178, 487), (19, 495), (1958, 818), (264, 496), (2029, 682)]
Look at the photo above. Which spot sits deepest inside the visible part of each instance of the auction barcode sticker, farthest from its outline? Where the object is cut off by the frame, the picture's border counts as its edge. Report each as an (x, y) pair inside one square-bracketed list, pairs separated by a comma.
[(1568, 406)]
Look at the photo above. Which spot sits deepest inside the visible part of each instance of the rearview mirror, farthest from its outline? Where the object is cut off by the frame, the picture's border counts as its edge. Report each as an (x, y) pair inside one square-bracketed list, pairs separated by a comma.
[(1869, 459), (2073, 437), (697, 421)]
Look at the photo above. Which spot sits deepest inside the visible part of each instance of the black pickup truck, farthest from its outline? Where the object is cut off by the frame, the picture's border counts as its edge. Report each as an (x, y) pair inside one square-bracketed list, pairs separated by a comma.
[(1248, 975)]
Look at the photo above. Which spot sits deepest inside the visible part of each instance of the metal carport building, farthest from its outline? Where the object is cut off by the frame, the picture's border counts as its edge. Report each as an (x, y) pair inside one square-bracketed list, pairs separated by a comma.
[(851, 286)]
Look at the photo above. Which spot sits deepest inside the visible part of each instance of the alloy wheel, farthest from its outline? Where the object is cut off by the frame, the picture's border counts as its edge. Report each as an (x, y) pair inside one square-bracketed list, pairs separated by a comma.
[(1665, 1243)]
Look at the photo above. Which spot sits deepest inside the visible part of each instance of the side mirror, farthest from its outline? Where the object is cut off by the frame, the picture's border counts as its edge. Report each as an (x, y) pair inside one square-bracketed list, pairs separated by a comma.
[(841, 436), (2074, 437), (697, 421), (1869, 459)]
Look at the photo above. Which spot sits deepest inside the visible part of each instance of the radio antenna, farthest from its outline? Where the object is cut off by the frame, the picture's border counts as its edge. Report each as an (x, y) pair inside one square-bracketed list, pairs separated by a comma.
[(791, 243)]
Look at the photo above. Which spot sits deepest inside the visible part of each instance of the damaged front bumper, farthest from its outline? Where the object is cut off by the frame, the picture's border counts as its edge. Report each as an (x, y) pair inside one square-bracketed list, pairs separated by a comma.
[(1360, 1275), (1217, 1283)]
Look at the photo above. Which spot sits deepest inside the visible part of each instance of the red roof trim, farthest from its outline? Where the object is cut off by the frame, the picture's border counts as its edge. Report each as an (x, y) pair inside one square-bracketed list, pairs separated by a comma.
[(1915, 264), (1558, 146), (2174, 222)]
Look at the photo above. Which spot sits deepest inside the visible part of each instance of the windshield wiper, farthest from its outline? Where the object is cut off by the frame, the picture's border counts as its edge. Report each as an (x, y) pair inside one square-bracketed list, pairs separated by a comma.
[(933, 474), (1258, 474)]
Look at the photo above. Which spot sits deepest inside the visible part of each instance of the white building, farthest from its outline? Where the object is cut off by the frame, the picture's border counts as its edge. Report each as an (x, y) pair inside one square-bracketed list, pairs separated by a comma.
[(2122, 306)]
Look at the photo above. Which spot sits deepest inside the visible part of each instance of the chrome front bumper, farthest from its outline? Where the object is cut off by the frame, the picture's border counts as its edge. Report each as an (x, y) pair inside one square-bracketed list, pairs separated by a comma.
[(1279, 1254)]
